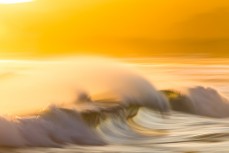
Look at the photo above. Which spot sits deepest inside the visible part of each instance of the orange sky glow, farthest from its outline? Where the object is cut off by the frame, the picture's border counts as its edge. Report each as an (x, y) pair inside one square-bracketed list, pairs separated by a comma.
[(117, 28)]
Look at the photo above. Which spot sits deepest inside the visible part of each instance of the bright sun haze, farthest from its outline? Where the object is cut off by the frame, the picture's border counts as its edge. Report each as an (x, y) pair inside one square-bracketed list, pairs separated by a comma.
[(14, 1)]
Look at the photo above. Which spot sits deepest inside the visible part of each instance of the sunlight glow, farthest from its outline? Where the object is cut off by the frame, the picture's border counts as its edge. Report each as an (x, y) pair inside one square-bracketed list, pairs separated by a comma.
[(14, 1)]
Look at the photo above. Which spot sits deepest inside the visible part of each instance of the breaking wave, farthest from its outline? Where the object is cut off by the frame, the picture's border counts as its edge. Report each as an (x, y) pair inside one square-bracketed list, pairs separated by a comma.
[(122, 107), (58, 126)]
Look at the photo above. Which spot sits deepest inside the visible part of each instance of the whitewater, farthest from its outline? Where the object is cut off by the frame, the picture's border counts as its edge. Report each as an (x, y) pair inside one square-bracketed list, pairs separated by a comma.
[(91, 104)]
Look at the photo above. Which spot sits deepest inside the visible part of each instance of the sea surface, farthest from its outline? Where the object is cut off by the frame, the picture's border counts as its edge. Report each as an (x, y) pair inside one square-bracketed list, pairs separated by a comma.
[(139, 117)]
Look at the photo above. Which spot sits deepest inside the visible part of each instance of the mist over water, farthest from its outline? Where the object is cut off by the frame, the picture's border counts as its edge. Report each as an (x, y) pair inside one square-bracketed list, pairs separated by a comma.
[(113, 106), (29, 85)]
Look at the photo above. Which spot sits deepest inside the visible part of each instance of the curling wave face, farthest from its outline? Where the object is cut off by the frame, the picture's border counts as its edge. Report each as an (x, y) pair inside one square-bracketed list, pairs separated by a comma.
[(57, 126)]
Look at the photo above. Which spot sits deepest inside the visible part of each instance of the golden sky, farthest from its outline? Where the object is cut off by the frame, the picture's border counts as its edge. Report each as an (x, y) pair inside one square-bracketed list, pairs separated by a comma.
[(120, 28)]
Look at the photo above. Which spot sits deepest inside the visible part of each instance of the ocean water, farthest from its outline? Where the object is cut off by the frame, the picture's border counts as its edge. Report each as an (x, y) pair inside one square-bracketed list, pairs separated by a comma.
[(100, 105)]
